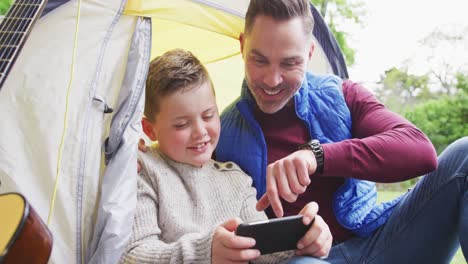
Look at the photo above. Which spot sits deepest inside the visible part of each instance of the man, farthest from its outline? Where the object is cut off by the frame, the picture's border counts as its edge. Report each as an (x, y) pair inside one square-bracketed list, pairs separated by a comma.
[(304, 137)]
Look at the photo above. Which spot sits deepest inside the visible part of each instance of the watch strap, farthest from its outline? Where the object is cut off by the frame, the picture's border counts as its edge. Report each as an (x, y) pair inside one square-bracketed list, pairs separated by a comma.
[(317, 149)]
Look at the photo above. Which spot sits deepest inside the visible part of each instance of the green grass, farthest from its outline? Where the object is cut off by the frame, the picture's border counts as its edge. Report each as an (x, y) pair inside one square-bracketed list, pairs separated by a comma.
[(389, 195)]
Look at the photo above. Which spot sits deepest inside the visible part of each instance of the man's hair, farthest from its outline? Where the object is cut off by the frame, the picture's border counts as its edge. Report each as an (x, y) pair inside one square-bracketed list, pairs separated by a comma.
[(280, 10), (171, 72)]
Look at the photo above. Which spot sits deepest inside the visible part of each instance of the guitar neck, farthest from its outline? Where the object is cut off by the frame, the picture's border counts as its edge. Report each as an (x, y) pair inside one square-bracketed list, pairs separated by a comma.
[(14, 30)]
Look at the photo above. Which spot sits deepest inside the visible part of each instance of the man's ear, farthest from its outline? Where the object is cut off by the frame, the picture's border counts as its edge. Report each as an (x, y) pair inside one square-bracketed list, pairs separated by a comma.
[(311, 49), (241, 42), (148, 129)]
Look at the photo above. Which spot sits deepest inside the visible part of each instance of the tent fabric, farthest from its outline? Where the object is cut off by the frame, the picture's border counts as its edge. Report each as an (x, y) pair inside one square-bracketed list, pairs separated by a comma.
[(115, 216), (96, 195), (32, 108), (52, 5)]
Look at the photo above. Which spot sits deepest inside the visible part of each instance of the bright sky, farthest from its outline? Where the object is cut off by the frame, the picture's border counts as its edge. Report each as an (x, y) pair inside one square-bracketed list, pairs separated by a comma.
[(392, 31)]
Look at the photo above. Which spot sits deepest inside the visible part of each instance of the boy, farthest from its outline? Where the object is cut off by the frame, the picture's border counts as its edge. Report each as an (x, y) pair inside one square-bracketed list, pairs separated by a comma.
[(183, 195)]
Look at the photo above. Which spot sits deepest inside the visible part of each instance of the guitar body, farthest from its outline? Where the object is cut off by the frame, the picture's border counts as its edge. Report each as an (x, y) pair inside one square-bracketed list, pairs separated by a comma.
[(24, 238)]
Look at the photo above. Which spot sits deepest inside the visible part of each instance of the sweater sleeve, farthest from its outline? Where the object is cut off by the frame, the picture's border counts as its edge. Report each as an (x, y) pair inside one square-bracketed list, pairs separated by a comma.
[(385, 147), (146, 245), (248, 211)]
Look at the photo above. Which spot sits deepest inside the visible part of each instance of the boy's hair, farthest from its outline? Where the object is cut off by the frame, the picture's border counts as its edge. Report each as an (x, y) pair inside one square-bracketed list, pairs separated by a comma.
[(280, 10), (171, 72)]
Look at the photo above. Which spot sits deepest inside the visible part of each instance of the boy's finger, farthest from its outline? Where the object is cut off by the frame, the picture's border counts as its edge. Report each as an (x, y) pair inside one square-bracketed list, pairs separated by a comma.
[(309, 211), (231, 224), (239, 242), (142, 145), (138, 167), (240, 256)]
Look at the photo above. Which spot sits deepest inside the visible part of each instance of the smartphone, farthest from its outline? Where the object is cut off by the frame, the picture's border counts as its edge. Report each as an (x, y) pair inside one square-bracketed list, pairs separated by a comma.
[(275, 235)]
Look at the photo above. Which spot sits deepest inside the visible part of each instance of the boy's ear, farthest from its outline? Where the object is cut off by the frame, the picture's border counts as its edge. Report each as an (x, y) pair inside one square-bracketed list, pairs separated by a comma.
[(148, 129)]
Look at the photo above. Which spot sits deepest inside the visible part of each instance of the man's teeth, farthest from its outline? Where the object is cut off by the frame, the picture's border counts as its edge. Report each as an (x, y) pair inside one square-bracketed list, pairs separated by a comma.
[(271, 92)]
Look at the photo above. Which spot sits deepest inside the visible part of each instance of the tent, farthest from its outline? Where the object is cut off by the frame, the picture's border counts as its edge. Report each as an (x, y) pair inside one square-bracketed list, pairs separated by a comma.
[(72, 104)]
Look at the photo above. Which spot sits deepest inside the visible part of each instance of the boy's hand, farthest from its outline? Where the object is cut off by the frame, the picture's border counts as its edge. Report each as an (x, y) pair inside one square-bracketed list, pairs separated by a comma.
[(287, 178), (318, 240), (141, 147), (226, 247)]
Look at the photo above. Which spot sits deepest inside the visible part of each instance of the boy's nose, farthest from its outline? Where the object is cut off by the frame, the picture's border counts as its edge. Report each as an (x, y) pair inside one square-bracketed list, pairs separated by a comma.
[(199, 130)]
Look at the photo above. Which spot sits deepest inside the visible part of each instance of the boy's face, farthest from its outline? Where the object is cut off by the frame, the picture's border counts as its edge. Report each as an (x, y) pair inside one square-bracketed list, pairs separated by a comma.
[(187, 126), (276, 54)]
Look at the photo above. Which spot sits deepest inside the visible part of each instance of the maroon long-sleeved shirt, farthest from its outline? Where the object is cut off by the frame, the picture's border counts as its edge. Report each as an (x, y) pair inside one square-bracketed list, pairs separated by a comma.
[(384, 148)]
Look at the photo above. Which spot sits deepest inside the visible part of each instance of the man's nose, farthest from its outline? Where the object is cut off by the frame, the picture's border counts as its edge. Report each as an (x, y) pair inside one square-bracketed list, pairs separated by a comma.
[(273, 76)]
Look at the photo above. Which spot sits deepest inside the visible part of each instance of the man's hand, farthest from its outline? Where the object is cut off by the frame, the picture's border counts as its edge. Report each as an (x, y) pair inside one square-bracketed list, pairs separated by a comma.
[(318, 240), (226, 247), (141, 147), (287, 178)]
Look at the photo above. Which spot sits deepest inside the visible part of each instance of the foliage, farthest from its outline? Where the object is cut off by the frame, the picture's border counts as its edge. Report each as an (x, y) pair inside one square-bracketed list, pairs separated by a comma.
[(340, 36), (447, 70), (347, 11), (462, 82), (436, 102), (401, 90), (443, 120), (4, 6)]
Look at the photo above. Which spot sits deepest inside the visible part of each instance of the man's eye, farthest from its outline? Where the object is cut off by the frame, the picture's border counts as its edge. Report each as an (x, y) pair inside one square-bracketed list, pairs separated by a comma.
[(289, 64), (259, 61)]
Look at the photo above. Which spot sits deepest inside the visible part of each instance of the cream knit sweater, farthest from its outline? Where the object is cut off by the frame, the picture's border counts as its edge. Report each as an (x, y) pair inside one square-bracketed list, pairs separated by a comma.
[(179, 206)]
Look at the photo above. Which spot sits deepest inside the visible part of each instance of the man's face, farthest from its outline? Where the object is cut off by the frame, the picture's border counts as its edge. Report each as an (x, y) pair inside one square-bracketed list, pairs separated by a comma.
[(276, 54)]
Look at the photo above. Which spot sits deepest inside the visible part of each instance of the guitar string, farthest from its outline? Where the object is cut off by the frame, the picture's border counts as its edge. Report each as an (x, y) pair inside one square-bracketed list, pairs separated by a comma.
[(17, 15), (65, 118), (29, 9), (15, 9), (13, 12)]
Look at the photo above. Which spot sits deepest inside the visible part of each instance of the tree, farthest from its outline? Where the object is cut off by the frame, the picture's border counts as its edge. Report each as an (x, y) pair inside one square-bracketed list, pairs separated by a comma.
[(348, 11), (447, 71), (401, 90), (4, 6), (443, 120), (462, 82)]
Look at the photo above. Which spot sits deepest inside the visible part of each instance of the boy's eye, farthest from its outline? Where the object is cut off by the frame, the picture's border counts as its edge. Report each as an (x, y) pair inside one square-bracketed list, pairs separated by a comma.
[(207, 117), (182, 125)]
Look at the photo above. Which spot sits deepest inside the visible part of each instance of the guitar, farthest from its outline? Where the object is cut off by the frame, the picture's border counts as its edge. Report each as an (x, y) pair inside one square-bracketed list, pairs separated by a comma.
[(14, 30), (24, 238)]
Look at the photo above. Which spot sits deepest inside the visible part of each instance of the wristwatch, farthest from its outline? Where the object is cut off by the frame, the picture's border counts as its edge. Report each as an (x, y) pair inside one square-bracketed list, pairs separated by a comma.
[(317, 149)]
